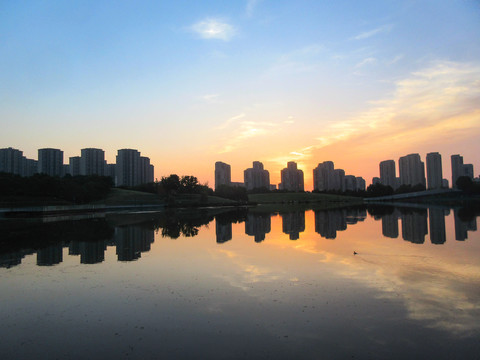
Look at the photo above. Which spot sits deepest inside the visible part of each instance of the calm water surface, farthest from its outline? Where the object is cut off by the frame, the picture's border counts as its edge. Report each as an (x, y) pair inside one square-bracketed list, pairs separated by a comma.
[(220, 284)]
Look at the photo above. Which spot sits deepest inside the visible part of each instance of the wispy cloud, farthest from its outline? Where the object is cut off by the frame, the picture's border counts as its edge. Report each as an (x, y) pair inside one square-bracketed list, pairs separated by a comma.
[(211, 98), (214, 28), (367, 61), (436, 102), (230, 121), (373, 32), (242, 130)]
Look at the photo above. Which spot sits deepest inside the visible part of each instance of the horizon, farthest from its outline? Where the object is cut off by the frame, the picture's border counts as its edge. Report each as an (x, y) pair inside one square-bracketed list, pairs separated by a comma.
[(191, 84)]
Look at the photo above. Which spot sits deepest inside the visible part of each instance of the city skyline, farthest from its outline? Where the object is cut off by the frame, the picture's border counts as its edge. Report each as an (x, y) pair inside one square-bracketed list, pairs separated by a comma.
[(191, 84)]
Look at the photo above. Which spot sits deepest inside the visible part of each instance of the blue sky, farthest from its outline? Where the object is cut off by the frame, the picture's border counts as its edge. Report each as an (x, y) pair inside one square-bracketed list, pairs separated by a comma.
[(188, 83)]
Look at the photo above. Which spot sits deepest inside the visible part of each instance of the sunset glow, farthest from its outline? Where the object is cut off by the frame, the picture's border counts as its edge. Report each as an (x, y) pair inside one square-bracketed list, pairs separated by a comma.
[(241, 81)]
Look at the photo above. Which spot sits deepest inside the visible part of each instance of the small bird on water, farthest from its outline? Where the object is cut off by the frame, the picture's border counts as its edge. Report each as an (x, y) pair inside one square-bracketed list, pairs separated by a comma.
[(354, 252)]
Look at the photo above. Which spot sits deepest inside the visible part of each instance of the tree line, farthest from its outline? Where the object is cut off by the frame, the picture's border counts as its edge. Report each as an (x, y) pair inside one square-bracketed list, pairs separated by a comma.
[(74, 189)]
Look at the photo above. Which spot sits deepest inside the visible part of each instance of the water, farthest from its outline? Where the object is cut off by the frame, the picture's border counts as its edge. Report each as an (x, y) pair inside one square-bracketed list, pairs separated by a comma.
[(243, 284)]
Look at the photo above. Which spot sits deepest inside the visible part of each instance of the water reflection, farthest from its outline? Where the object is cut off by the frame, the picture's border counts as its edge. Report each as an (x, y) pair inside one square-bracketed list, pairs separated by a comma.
[(258, 225), (133, 233), (328, 222), (222, 282)]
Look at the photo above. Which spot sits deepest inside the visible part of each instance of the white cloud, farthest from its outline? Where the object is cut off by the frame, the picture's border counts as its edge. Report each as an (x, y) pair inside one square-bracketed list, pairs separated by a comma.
[(211, 98), (230, 121), (373, 32), (367, 61), (212, 28)]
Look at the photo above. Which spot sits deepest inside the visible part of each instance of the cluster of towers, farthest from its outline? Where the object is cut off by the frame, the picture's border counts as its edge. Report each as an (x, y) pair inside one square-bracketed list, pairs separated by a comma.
[(325, 178), (412, 171), (257, 177), (130, 169)]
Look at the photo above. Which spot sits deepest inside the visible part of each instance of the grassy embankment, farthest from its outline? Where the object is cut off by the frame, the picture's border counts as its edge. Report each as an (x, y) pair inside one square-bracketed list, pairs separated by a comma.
[(118, 197), (290, 201)]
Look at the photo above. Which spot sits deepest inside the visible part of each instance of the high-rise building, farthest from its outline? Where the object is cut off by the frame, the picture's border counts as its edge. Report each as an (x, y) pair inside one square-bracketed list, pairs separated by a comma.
[(457, 169), (412, 170), (223, 174), (468, 170), (127, 167), (292, 178), (323, 176), (92, 162), (12, 161), (50, 162), (434, 170), (350, 183), (339, 180), (146, 170), (74, 165), (388, 175), (30, 167), (256, 177), (361, 184)]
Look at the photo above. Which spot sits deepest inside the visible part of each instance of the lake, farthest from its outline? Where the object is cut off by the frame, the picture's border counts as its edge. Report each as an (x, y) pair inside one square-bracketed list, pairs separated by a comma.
[(242, 284)]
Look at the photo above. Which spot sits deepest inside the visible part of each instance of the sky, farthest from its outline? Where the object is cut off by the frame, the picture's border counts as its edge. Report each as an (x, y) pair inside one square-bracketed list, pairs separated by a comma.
[(189, 83)]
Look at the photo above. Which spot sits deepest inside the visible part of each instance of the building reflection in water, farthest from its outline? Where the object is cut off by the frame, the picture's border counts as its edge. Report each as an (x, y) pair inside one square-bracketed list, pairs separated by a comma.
[(131, 235), (436, 218), (91, 252), (414, 225), (258, 225), (293, 224), (390, 224), (131, 241), (50, 255), (463, 226), (223, 231), (328, 222)]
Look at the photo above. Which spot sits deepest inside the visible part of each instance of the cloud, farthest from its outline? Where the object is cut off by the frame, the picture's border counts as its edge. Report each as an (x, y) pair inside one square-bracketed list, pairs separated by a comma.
[(373, 32), (212, 28), (230, 121), (367, 61), (243, 130), (211, 98), (439, 103)]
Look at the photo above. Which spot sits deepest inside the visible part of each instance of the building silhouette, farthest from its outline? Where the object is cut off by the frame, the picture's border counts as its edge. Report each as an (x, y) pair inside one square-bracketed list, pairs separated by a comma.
[(223, 174), (434, 170), (256, 177), (328, 222), (292, 178), (12, 161), (131, 169), (436, 218), (223, 231), (414, 226), (462, 227), (50, 255), (50, 162), (388, 175), (390, 225), (74, 165), (323, 176), (131, 241), (460, 169), (360, 183), (293, 223), (258, 225), (412, 170), (92, 161)]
